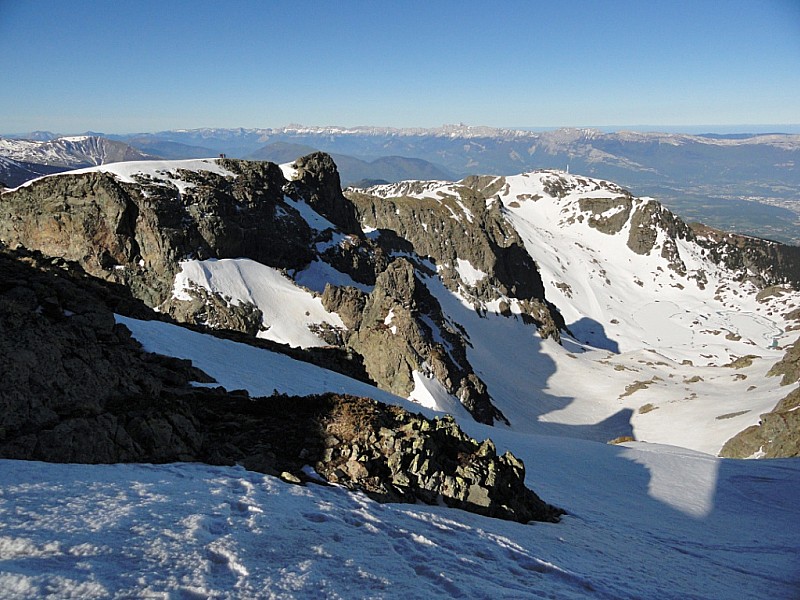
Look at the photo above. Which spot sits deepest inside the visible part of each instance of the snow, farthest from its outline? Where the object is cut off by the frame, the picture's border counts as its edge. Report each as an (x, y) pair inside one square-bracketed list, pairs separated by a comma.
[(240, 366), (161, 171), (288, 310), (388, 322), (469, 274), (637, 529), (318, 273), (645, 521), (289, 171), (431, 394), (310, 216)]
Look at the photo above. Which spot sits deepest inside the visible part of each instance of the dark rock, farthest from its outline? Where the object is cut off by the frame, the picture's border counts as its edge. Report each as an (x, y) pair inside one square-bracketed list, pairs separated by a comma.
[(394, 335), (789, 366), (317, 181), (78, 388), (484, 238), (776, 436), (136, 234)]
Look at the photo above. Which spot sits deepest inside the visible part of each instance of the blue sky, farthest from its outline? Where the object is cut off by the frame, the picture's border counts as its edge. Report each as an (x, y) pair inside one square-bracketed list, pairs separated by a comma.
[(76, 65)]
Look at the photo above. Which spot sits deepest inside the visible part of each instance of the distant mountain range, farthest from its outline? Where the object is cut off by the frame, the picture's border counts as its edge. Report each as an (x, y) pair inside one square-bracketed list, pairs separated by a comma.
[(354, 171), (742, 182)]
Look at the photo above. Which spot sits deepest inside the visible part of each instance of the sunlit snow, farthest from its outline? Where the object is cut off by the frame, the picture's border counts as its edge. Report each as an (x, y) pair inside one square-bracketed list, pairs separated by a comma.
[(288, 310)]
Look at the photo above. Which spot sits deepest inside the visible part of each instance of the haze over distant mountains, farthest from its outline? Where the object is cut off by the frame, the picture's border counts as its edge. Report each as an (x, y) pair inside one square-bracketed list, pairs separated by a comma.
[(742, 182)]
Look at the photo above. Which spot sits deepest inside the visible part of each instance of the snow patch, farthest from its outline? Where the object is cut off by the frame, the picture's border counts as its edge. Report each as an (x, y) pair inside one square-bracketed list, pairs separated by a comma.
[(469, 274), (288, 310)]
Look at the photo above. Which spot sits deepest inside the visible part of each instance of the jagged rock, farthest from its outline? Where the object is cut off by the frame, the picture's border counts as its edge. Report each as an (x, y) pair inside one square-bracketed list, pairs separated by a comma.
[(317, 180), (347, 302), (462, 227), (435, 462), (212, 310), (394, 336), (619, 207), (776, 436), (789, 366)]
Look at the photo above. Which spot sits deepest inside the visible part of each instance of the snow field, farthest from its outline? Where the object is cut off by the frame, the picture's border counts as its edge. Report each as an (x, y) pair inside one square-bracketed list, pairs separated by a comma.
[(645, 522), (288, 310)]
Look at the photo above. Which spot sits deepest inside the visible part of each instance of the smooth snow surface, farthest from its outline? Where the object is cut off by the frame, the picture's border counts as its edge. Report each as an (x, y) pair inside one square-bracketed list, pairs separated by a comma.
[(239, 366), (319, 273), (468, 273), (289, 171)]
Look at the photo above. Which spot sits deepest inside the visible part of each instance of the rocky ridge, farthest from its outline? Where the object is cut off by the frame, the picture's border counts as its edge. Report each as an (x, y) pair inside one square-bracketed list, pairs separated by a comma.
[(78, 388), (777, 434), (135, 227)]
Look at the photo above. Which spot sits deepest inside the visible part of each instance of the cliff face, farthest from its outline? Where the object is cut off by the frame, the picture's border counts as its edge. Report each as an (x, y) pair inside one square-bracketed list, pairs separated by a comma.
[(136, 232), (401, 332), (475, 250)]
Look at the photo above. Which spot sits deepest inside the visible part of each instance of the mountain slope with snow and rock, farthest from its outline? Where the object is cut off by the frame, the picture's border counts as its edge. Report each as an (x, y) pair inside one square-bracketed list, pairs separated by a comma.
[(549, 312), (23, 160), (745, 183)]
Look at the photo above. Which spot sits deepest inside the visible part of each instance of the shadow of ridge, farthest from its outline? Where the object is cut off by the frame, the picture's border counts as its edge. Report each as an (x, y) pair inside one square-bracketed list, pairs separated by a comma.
[(506, 353), (616, 426), (591, 332)]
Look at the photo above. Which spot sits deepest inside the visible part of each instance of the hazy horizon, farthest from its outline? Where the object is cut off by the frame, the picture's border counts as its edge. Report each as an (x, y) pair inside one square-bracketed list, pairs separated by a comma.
[(721, 129)]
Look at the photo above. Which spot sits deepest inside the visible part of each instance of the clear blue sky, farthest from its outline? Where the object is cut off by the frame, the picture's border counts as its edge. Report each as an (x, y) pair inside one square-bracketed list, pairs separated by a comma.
[(122, 66)]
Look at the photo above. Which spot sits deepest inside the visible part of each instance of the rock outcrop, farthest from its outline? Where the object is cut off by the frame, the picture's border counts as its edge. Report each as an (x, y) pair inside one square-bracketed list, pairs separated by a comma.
[(776, 436), (78, 388), (398, 456), (461, 231), (401, 329), (136, 233)]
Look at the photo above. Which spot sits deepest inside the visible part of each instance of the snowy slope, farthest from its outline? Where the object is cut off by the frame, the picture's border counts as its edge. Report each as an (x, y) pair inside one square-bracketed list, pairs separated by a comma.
[(654, 347), (646, 521), (290, 313), (163, 172)]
